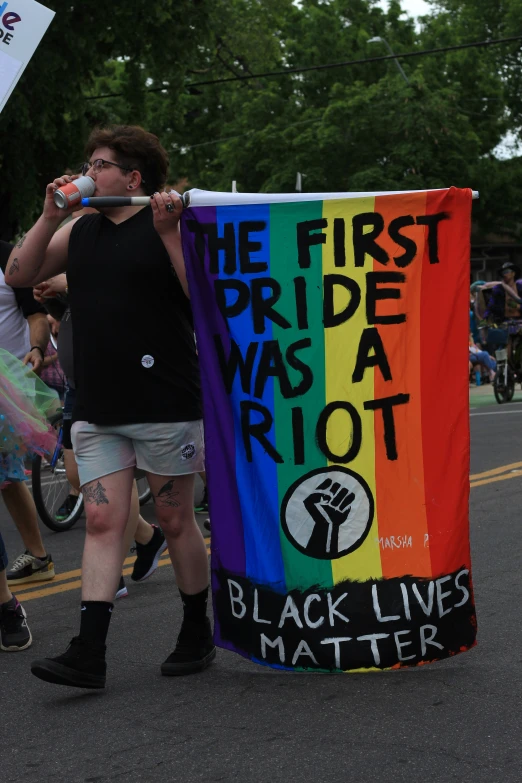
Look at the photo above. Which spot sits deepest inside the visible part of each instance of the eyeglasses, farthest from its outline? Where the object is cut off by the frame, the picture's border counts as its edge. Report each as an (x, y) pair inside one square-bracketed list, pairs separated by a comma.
[(99, 163)]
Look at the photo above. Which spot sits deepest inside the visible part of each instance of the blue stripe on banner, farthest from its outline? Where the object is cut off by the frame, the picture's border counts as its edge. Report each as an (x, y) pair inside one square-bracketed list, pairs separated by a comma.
[(256, 480)]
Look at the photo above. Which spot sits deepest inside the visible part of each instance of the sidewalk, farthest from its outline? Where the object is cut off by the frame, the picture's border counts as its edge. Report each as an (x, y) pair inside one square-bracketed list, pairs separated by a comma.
[(485, 390), (483, 395)]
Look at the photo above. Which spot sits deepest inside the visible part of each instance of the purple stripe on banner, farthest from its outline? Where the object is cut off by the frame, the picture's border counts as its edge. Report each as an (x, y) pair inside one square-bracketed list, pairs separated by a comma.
[(228, 546)]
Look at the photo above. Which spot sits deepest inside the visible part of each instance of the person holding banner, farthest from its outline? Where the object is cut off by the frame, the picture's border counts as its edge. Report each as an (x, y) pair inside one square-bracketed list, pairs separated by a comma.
[(138, 401), (149, 539)]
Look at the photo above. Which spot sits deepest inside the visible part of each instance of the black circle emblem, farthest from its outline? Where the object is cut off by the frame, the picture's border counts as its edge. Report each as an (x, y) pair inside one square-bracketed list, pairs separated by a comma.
[(328, 512), (188, 451)]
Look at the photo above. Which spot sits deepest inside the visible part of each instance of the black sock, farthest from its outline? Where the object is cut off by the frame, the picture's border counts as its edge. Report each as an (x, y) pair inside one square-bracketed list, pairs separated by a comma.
[(195, 606), (94, 621)]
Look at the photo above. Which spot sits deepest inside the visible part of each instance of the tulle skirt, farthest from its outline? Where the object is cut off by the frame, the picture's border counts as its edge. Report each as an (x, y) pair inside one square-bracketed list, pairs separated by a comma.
[(26, 405)]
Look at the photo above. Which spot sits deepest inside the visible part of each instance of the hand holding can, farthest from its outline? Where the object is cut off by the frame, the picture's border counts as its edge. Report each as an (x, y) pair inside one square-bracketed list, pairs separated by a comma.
[(63, 195), (71, 194)]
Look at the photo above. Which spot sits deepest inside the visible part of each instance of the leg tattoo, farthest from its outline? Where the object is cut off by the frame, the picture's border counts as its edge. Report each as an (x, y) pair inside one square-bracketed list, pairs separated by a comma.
[(95, 494), (166, 497)]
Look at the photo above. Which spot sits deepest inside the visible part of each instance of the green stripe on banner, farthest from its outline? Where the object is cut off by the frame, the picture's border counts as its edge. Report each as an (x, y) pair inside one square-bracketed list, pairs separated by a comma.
[(301, 571)]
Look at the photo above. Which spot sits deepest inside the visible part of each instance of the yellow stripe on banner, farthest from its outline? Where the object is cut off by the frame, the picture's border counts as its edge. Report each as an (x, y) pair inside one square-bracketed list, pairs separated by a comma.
[(341, 345)]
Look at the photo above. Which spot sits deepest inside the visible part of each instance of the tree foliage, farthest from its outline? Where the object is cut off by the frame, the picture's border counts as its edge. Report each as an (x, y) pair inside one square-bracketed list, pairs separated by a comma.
[(358, 127), (45, 123)]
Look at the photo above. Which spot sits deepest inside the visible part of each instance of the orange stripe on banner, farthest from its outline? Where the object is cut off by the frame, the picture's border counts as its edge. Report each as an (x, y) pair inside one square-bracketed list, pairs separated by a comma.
[(403, 527), (444, 378)]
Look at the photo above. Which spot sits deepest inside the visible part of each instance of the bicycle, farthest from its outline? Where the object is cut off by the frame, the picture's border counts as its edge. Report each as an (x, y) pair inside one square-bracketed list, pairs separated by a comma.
[(509, 362), (51, 487)]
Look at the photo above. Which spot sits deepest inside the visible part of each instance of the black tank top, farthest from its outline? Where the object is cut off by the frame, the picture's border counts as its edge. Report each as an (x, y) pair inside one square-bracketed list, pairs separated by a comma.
[(135, 357)]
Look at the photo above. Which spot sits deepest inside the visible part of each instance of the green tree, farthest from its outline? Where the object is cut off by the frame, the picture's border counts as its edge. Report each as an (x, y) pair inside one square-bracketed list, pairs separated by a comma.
[(361, 127), (347, 128), (45, 123), (489, 80)]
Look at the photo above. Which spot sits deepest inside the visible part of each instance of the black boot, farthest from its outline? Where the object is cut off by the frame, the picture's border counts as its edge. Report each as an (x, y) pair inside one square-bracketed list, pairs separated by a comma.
[(82, 665), (195, 649)]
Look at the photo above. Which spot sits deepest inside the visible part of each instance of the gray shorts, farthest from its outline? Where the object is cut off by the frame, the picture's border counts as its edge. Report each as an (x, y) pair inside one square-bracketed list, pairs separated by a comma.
[(172, 449)]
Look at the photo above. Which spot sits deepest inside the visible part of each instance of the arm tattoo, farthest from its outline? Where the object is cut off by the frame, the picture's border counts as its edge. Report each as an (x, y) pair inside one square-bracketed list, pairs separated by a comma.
[(95, 494), (21, 242), (15, 267), (166, 497)]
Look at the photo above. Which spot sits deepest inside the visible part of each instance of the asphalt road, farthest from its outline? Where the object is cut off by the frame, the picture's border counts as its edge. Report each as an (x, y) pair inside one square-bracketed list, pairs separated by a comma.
[(451, 721)]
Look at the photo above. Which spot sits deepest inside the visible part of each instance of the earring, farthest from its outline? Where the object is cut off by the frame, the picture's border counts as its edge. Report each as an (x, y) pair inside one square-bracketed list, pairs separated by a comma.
[(131, 187)]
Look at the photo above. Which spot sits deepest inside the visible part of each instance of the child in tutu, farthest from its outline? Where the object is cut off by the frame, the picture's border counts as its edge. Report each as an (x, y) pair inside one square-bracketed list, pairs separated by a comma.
[(25, 405)]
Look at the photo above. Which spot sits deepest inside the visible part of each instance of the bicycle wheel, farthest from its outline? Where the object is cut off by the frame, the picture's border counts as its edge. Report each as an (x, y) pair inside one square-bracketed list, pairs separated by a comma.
[(144, 491), (51, 488), (504, 391)]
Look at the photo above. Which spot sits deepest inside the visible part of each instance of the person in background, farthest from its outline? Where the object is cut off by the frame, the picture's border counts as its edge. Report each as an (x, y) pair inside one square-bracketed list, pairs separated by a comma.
[(474, 293), (52, 373), (506, 296), (24, 332), (14, 631), (202, 506), (479, 357)]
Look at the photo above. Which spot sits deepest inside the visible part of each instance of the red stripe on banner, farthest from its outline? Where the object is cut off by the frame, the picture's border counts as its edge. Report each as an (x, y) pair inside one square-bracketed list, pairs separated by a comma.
[(444, 380)]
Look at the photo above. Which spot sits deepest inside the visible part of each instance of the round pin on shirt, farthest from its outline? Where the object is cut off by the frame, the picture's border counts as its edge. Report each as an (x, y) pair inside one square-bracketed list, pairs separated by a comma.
[(147, 360)]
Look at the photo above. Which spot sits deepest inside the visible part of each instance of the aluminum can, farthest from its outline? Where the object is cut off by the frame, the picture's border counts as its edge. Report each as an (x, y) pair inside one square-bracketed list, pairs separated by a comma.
[(70, 194)]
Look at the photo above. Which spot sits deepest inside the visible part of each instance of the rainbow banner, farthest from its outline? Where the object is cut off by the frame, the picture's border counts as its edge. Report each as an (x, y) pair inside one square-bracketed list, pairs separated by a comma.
[(333, 342)]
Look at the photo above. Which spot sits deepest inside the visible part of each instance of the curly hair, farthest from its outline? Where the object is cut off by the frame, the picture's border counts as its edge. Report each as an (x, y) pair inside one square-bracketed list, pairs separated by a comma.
[(136, 148)]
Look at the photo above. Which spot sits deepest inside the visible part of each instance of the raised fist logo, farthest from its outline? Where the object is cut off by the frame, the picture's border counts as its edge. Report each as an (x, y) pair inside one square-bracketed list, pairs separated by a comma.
[(328, 513), (329, 507)]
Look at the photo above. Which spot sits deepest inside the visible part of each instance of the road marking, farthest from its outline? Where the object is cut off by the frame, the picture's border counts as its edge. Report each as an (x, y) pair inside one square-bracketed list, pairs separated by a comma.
[(49, 591), (494, 413), (495, 471), (37, 591), (515, 474), (69, 575)]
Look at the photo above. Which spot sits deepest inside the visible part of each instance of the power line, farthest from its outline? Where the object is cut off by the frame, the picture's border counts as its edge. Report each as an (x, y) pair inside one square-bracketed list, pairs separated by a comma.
[(274, 132), (286, 71)]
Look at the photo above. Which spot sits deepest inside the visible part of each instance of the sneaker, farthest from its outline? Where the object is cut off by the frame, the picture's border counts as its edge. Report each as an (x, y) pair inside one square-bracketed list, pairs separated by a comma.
[(206, 524), (27, 568), (195, 650), (147, 555), (122, 591), (14, 631), (202, 507), (67, 507), (82, 666)]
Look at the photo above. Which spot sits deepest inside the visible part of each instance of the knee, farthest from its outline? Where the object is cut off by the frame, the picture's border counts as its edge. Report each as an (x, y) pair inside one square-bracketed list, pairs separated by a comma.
[(99, 522), (174, 524), (12, 489)]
